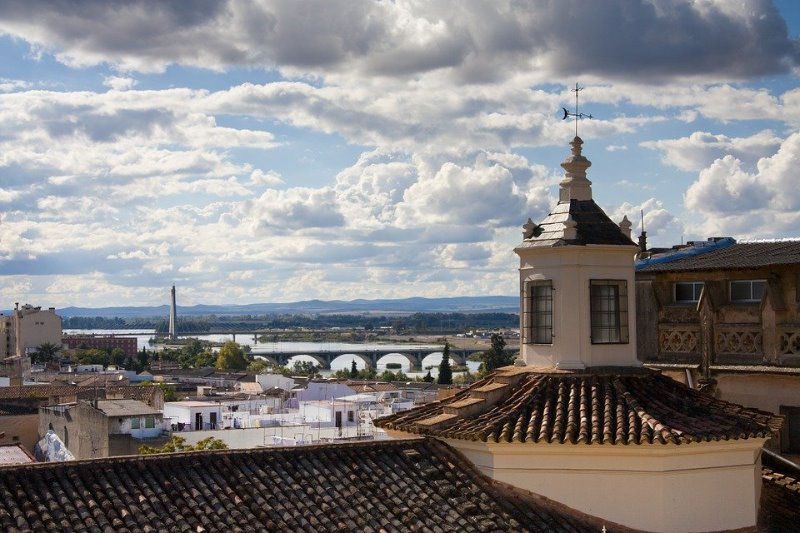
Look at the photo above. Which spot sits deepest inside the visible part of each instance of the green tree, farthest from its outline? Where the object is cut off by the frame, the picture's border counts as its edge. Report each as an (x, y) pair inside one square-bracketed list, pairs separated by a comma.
[(428, 378), (353, 369), (169, 392), (496, 357), (93, 356), (390, 376), (445, 371), (258, 366), (178, 444), (205, 359), (45, 352), (117, 357), (305, 368), (231, 357)]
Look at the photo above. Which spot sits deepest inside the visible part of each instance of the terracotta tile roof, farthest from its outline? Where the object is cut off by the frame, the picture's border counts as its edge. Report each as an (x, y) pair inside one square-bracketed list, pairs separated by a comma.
[(143, 393), (37, 391), (595, 406), (592, 224), (374, 386), (735, 256), (19, 408), (413, 485)]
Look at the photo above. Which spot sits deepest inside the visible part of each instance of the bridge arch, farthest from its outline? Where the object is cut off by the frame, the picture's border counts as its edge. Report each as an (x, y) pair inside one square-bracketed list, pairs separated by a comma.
[(345, 362), (406, 362), (433, 359), (267, 359), (319, 361)]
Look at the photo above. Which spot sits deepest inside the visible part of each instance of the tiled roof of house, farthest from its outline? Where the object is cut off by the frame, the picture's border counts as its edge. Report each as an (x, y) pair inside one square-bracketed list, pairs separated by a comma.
[(37, 391), (594, 406), (413, 485), (143, 393), (735, 256), (19, 408), (592, 224), (371, 386)]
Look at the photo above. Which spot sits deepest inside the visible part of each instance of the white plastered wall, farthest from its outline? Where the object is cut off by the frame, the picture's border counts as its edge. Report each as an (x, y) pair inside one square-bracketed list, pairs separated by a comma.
[(570, 269), (709, 486)]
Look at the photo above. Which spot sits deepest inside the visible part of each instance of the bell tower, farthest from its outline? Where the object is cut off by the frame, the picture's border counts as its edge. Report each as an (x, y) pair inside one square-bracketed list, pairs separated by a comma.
[(577, 292)]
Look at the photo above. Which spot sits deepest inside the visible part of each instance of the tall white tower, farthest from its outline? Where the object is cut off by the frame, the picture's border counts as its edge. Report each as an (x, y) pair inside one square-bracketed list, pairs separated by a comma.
[(173, 314)]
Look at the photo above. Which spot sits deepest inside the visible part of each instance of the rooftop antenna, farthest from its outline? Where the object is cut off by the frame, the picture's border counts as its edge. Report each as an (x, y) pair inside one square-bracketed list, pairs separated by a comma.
[(576, 114)]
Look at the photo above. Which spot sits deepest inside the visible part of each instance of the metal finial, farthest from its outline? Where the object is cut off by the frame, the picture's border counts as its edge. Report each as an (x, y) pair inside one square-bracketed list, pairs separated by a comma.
[(576, 114)]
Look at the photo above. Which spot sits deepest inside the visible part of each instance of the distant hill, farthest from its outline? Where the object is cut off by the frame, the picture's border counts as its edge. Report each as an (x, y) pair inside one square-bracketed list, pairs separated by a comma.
[(461, 304)]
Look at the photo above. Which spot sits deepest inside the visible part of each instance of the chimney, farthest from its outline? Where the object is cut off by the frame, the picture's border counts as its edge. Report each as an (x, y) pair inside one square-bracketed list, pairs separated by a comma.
[(643, 242)]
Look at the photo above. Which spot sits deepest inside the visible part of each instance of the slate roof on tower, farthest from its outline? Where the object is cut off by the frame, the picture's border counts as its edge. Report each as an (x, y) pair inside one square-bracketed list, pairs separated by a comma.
[(592, 226), (411, 485), (576, 219), (619, 405)]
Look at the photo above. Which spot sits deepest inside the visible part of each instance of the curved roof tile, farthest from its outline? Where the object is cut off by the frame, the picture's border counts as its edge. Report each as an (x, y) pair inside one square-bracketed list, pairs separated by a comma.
[(595, 406), (411, 485)]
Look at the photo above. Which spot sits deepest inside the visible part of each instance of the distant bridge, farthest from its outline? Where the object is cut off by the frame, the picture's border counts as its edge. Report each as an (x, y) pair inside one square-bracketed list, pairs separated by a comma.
[(324, 358)]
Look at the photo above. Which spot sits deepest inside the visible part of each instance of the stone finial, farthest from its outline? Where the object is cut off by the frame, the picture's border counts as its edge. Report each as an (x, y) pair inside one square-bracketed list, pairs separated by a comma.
[(643, 242), (575, 186), (531, 229), (625, 226), (570, 228)]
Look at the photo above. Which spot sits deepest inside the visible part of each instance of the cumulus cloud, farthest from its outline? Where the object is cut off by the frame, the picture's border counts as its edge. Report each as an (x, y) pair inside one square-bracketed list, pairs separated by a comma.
[(474, 41), (119, 83), (8, 85), (700, 149), (728, 199), (662, 227), (294, 208), (435, 119)]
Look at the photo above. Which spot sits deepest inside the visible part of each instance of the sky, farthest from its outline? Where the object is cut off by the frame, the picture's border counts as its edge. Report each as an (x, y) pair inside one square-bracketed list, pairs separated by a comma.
[(283, 150)]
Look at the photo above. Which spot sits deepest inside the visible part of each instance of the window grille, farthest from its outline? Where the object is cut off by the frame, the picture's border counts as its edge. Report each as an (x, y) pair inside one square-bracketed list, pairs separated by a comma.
[(537, 312), (609, 311), (541, 312)]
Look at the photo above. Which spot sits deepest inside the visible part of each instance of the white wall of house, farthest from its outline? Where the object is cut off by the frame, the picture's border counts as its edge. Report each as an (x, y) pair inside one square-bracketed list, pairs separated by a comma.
[(229, 413), (186, 412), (570, 269), (708, 486), (325, 411), (137, 426), (323, 391), (270, 381)]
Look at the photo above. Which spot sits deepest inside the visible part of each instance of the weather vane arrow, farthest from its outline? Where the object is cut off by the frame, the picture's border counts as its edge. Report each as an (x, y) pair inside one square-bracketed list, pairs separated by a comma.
[(576, 114)]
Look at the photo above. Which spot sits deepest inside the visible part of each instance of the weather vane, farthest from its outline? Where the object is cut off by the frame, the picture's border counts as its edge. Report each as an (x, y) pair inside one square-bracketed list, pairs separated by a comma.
[(576, 114)]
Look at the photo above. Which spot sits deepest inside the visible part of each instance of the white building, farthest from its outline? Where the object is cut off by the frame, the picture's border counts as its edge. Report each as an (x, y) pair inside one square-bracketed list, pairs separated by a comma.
[(219, 412)]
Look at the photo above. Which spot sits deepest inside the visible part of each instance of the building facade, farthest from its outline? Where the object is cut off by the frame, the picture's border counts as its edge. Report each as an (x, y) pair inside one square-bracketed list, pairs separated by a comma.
[(27, 328), (103, 428), (724, 315), (102, 342)]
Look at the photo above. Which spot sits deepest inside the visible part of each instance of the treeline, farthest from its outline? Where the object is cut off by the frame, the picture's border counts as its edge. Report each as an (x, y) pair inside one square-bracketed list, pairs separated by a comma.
[(414, 323)]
